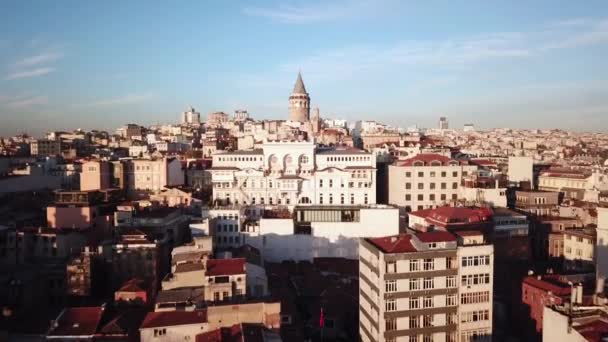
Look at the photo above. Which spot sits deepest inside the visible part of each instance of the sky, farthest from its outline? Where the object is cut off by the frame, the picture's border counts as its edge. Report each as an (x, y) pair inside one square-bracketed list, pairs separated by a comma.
[(101, 64)]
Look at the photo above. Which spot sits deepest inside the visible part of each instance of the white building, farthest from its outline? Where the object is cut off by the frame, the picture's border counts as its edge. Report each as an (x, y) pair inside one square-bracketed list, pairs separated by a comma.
[(191, 117), (426, 181), (425, 287), (294, 172), (520, 169)]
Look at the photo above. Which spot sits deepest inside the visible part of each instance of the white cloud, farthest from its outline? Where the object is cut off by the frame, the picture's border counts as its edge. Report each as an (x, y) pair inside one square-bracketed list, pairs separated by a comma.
[(312, 13), (122, 100), (22, 101), (41, 58), (29, 73), (29, 101)]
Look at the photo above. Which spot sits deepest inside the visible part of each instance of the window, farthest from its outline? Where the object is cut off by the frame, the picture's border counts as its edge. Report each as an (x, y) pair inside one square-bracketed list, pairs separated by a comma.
[(408, 174), (421, 197), (331, 183), (444, 186), (455, 174), (391, 267), (365, 199), (475, 316), (428, 283), (454, 185), (475, 279), (414, 284), (391, 324), (432, 173), (475, 297), (427, 338), (429, 264), (391, 286), (427, 320), (414, 323), (420, 174), (216, 296), (320, 183), (443, 197), (431, 197), (450, 300), (408, 197), (427, 302), (414, 265), (450, 281), (408, 186), (420, 186), (391, 305), (432, 185), (160, 332), (341, 198), (414, 303)]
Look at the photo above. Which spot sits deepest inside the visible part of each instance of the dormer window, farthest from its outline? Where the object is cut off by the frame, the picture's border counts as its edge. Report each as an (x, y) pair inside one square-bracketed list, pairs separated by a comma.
[(432, 245)]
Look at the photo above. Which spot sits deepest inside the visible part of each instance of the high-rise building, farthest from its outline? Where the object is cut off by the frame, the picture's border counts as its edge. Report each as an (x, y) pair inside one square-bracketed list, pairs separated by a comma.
[(443, 123), (191, 117), (432, 286), (299, 102)]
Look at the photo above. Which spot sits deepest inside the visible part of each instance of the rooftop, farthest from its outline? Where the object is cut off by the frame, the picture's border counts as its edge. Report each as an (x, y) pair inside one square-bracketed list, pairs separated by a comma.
[(216, 267), (172, 318), (82, 321), (430, 159)]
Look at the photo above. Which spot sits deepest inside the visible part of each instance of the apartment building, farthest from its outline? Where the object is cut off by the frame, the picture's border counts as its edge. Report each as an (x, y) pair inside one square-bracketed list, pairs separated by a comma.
[(44, 147), (431, 286), (426, 181), (153, 175), (95, 175), (579, 248), (537, 202), (294, 172)]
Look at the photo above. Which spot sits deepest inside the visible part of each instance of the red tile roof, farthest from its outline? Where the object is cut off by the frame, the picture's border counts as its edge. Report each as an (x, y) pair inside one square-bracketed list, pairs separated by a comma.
[(436, 236), (217, 267), (81, 321), (455, 215), (394, 244), (171, 318)]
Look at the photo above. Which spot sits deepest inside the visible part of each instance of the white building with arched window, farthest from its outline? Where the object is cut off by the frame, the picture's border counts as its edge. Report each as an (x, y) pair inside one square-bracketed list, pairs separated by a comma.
[(290, 172)]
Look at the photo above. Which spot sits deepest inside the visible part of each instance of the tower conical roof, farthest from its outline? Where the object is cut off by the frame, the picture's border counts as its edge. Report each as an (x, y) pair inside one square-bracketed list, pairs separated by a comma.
[(299, 87)]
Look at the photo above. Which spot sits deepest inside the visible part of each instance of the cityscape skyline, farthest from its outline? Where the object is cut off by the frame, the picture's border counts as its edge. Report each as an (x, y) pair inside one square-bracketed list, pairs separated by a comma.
[(509, 66)]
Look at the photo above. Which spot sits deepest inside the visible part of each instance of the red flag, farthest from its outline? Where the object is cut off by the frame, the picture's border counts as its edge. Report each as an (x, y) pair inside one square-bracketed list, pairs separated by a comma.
[(321, 319)]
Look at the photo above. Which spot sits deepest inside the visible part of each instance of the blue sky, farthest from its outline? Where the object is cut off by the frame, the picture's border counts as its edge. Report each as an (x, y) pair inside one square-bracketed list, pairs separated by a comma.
[(70, 64)]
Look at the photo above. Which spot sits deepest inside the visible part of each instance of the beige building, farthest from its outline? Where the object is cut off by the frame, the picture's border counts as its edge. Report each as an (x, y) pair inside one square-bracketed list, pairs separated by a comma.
[(154, 174), (426, 181), (95, 175), (426, 287), (579, 247)]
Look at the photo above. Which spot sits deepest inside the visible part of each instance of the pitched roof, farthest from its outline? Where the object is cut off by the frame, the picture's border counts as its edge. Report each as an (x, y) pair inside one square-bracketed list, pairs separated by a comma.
[(394, 244), (133, 285), (217, 267), (454, 215), (82, 321), (171, 318), (299, 86), (436, 236)]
